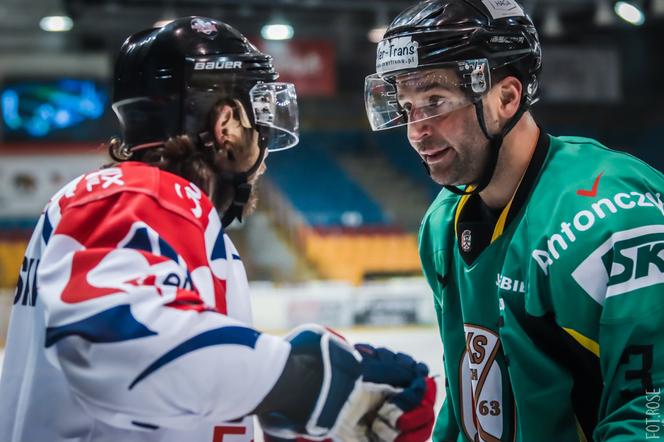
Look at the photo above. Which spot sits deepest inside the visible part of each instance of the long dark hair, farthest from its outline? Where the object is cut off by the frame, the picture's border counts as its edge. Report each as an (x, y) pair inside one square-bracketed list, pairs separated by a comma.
[(192, 161), (179, 155)]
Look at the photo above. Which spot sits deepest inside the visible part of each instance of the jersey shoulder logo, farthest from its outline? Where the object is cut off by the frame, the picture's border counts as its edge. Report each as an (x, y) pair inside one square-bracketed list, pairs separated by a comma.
[(91, 186), (593, 191)]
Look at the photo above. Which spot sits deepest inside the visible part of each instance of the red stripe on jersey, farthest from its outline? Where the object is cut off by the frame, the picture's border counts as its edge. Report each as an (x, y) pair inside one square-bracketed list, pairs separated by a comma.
[(220, 296), (150, 280), (188, 300), (78, 289)]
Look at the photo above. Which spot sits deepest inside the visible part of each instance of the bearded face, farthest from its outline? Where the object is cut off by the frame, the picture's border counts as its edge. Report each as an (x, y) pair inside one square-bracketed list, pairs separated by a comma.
[(238, 151)]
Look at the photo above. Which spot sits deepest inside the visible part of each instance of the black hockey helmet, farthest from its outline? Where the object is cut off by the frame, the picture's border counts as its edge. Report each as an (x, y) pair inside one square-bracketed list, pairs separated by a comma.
[(167, 80), (473, 40)]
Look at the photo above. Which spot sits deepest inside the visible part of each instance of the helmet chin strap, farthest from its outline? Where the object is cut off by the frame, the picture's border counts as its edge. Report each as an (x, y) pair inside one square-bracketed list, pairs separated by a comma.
[(495, 143), (238, 181)]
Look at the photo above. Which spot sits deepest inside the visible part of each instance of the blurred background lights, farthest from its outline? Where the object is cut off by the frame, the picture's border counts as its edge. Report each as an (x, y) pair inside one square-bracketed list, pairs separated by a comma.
[(162, 23), (56, 23), (630, 12), (277, 31), (376, 34)]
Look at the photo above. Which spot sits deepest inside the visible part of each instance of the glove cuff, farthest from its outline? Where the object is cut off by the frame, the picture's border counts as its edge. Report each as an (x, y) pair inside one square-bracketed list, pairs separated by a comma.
[(341, 371)]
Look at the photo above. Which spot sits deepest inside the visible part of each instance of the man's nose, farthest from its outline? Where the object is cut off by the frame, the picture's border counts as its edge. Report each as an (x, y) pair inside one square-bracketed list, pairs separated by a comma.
[(419, 130)]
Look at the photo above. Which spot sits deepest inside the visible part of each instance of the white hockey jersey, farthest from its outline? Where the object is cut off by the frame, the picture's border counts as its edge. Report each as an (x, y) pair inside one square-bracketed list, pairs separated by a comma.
[(130, 320)]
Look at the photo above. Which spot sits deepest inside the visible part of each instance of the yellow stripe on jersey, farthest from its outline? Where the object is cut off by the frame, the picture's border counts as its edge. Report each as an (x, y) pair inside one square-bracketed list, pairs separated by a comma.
[(579, 430), (462, 202), (586, 342), (500, 224)]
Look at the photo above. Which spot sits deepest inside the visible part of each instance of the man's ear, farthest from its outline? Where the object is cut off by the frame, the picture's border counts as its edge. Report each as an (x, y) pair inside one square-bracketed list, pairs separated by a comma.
[(509, 90), (223, 123), (244, 118)]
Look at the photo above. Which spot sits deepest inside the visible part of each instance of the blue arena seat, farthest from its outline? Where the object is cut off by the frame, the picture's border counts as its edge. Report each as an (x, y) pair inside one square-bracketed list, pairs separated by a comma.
[(319, 188)]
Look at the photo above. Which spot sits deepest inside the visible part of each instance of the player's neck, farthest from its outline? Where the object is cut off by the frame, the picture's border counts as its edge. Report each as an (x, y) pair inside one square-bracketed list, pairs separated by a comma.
[(513, 160)]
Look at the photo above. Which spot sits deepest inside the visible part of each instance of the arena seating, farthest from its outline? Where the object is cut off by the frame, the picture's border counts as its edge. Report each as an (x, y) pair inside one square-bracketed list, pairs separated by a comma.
[(356, 256), (319, 189), (346, 235), (394, 144), (11, 256)]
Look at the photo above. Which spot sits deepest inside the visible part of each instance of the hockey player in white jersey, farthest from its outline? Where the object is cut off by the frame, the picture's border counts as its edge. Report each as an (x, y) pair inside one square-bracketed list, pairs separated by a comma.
[(131, 319)]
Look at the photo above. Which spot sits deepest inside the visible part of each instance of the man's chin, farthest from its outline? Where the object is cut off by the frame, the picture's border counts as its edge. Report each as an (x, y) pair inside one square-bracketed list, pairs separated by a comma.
[(443, 179)]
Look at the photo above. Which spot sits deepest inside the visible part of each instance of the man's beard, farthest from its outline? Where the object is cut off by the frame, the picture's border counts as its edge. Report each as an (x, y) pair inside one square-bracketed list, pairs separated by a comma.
[(470, 160), (224, 193), (251, 205)]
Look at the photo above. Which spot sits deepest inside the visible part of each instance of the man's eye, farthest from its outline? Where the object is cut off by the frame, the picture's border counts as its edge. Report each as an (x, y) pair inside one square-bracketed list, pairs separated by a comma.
[(437, 100), (406, 106)]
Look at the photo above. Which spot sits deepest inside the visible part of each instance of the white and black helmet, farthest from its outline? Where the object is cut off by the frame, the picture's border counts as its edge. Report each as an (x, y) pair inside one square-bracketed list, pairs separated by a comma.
[(462, 44), (476, 38)]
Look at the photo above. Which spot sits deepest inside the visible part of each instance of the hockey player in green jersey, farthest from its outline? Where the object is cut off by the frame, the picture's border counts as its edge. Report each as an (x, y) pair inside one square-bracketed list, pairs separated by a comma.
[(545, 254)]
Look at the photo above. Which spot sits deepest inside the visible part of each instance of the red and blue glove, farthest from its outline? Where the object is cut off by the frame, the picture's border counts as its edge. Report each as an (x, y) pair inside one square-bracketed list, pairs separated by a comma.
[(407, 416), (364, 393)]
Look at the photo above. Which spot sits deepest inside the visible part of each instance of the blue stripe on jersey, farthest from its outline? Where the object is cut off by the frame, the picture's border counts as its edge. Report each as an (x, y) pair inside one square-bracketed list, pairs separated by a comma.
[(219, 336), (116, 324), (237, 257), (167, 251), (145, 425), (47, 229), (219, 249), (140, 240)]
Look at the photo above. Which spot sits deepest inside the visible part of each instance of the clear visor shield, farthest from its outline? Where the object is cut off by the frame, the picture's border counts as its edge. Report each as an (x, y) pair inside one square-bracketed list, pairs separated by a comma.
[(421, 95), (275, 109)]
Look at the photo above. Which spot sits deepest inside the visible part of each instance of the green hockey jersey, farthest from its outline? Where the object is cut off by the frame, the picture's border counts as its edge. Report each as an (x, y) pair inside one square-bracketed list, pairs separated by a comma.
[(551, 311)]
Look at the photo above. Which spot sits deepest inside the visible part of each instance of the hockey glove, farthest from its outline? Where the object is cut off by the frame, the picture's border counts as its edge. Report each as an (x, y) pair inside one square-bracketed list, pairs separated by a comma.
[(408, 416), (350, 398)]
